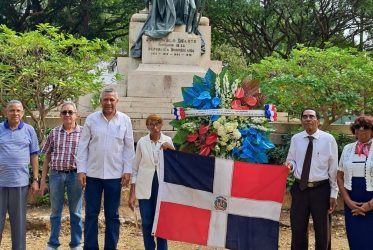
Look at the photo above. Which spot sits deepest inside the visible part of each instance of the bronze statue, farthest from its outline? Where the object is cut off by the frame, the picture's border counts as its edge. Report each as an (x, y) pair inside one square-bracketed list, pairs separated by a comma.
[(163, 17)]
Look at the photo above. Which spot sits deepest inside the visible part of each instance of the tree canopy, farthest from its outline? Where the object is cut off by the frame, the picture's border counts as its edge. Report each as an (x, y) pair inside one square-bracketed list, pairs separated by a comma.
[(261, 27), (43, 68), (105, 19), (333, 80)]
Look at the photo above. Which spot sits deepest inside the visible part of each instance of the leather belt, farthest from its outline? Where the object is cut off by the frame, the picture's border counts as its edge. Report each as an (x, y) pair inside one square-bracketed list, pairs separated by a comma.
[(66, 171), (314, 184)]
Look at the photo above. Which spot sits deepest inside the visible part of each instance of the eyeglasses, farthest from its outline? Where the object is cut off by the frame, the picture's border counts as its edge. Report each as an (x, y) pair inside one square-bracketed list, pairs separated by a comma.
[(65, 112), (311, 117), (366, 126), (155, 124)]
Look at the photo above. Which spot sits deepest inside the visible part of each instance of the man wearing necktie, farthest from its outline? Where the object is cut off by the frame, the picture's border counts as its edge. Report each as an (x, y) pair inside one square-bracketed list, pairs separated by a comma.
[(313, 159)]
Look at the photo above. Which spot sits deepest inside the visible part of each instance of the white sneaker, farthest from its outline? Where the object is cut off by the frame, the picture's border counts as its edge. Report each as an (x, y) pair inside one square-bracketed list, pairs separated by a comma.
[(51, 248), (76, 248)]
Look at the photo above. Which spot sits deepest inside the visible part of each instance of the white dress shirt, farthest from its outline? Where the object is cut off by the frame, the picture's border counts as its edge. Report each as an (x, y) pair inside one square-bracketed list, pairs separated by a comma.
[(324, 162), (106, 148)]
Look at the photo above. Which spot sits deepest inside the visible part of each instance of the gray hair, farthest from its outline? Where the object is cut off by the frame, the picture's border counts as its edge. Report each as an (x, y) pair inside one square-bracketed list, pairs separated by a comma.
[(12, 102), (108, 90), (68, 103)]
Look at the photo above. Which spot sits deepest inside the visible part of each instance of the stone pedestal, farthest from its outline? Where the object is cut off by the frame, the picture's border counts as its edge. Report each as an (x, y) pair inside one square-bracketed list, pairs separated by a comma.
[(153, 83)]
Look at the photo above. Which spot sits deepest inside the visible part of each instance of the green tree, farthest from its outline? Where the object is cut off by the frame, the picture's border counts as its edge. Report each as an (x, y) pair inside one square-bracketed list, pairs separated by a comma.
[(42, 68), (261, 27), (105, 19), (232, 59), (335, 81)]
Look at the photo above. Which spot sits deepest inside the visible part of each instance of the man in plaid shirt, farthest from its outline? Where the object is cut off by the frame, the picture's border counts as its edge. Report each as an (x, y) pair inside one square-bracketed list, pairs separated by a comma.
[(60, 149)]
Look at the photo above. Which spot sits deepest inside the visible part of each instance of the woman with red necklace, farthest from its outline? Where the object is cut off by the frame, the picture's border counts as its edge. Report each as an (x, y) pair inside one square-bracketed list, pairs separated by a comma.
[(355, 182)]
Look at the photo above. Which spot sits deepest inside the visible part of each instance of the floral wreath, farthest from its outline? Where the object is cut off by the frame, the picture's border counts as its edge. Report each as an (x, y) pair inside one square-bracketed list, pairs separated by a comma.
[(218, 116)]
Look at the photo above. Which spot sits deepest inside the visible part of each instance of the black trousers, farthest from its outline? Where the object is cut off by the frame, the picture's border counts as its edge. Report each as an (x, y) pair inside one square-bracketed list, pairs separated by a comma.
[(315, 202)]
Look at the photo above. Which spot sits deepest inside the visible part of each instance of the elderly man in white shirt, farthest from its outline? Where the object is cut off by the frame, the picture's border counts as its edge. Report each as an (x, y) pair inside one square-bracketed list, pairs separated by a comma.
[(313, 158), (104, 161)]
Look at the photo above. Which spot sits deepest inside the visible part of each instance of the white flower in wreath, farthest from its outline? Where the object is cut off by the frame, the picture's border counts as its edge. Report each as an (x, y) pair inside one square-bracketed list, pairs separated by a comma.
[(222, 119), (236, 134), (229, 127), (216, 124), (230, 147), (258, 120), (224, 138), (217, 86), (262, 128), (221, 131), (190, 126)]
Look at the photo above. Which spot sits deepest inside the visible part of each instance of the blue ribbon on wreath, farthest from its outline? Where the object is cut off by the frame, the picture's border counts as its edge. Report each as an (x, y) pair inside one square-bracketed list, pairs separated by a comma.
[(254, 146)]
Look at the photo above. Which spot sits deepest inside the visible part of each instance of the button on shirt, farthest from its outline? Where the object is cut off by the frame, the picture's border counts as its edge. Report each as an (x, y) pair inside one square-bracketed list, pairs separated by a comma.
[(106, 148), (156, 148), (63, 147), (16, 147), (324, 161)]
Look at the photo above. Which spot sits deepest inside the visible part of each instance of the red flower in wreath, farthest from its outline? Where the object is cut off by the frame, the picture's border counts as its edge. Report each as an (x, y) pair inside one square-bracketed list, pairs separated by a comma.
[(204, 140), (242, 101)]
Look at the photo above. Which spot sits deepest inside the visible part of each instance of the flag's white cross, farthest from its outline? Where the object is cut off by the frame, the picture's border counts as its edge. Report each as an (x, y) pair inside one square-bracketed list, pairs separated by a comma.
[(222, 188)]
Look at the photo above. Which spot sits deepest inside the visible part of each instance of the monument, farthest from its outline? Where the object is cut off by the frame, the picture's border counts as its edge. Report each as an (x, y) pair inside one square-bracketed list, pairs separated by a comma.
[(152, 82)]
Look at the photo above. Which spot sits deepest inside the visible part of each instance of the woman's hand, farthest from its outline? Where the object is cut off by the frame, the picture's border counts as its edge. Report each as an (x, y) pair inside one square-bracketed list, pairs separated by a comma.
[(132, 198), (353, 204), (362, 209), (356, 207), (166, 146)]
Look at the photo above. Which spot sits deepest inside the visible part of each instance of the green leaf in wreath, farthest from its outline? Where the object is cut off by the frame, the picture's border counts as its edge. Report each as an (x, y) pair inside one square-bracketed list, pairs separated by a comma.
[(180, 136), (179, 104)]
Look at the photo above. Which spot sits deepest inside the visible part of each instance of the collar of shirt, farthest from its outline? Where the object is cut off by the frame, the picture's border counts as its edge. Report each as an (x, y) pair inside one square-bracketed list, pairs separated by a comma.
[(104, 117), (76, 129), (156, 143), (20, 125), (315, 135)]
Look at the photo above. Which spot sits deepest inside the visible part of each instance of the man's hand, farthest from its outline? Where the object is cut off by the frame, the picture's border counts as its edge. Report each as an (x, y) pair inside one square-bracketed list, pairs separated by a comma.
[(34, 187), (332, 205), (82, 179), (289, 165), (125, 179), (43, 187)]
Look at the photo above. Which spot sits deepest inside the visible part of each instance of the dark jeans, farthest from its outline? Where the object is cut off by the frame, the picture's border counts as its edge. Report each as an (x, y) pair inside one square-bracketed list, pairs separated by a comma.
[(147, 211), (93, 194)]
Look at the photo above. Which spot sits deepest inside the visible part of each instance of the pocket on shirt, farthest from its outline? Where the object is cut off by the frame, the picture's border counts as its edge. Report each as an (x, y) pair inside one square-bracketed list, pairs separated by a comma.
[(323, 159), (118, 138)]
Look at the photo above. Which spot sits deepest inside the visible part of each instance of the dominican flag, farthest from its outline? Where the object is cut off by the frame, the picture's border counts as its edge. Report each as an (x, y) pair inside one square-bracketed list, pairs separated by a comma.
[(218, 202)]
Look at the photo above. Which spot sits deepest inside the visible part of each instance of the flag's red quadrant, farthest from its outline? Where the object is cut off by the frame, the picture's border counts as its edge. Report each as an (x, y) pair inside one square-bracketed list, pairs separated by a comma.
[(183, 223)]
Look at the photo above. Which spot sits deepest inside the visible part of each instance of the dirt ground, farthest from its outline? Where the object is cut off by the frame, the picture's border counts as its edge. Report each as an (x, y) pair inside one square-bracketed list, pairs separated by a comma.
[(130, 235)]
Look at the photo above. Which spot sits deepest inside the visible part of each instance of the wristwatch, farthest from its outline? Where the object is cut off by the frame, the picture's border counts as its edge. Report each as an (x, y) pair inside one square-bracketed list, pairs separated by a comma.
[(35, 179)]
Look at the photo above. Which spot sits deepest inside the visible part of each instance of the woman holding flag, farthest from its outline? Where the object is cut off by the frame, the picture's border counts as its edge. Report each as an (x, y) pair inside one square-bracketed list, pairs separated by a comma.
[(145, 178)]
